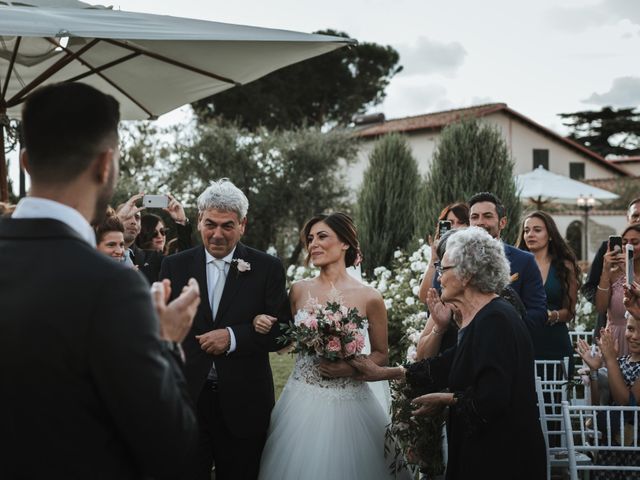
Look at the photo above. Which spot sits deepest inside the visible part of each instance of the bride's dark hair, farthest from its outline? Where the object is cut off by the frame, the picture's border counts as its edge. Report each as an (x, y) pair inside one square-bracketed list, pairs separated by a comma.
[(342, 224)]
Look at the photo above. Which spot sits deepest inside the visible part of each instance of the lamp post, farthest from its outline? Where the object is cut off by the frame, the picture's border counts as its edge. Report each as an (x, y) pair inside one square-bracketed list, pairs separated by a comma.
[(586, 204)]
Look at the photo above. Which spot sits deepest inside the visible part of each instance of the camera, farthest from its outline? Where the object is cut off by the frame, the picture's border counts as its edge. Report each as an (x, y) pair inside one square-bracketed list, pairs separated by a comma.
[(155, 201), (615, 240), (444, 226)]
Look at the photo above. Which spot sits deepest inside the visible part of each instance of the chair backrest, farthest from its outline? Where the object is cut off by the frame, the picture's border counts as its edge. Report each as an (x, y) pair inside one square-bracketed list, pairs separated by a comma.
[(543, 423), (552, 370), (550, 395), (604, 432)]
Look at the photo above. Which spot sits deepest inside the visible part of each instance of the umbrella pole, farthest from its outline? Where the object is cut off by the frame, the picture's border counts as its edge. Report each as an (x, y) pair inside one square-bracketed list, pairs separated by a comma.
[(4, 186)]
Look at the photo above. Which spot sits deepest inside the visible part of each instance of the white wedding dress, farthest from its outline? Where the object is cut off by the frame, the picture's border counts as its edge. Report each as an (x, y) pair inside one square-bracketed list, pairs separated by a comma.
[(325, 429)]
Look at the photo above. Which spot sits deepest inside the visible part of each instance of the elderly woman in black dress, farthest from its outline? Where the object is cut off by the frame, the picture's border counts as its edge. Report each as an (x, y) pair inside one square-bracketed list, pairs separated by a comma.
[(487, 378)]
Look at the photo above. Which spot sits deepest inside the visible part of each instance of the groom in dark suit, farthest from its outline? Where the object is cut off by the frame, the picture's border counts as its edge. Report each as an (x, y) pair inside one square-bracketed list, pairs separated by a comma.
[(227, 362), (90, 379)]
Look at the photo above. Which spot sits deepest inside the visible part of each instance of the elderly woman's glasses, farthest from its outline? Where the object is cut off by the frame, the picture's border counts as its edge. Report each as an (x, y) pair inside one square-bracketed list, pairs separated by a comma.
[(440, 269)]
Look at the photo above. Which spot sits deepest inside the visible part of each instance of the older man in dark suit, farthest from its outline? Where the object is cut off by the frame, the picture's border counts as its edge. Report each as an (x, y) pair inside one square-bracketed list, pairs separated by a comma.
[(90, 380), (227, 365)]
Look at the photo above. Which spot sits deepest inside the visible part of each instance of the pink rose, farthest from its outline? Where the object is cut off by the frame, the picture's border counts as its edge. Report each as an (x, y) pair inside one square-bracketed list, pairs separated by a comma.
[(333, 345), (311, 321), (359, 341), (350, 327), (351, 348)]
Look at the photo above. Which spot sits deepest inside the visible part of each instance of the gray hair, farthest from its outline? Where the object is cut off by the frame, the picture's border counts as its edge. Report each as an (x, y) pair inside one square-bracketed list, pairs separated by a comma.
[(225, 196), (479, 258)]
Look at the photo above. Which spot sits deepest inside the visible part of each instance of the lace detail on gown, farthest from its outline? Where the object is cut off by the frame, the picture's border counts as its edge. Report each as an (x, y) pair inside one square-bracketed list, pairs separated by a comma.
[(307, 375)]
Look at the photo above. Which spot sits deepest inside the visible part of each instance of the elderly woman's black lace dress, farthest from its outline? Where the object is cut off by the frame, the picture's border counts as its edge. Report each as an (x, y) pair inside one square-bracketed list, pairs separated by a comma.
[(493, 429)]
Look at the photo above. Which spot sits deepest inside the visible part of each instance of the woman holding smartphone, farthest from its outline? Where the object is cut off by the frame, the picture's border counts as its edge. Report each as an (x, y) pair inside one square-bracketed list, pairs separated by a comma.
[(610, 291)]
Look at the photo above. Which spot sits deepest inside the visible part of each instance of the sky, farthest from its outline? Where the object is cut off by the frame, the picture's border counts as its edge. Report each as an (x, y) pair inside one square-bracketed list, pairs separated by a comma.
[(541, 58)]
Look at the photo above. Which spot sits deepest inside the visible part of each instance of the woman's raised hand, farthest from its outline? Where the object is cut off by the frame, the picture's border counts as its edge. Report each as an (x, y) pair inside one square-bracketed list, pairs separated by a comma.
[(591, 357)]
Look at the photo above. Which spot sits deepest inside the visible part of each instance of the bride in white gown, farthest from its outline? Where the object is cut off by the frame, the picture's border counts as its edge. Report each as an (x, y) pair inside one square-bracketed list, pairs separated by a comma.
[(326, 424)]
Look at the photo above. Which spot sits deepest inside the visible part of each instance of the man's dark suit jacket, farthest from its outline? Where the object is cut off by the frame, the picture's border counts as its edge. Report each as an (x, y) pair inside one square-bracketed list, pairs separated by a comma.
[(244, 376), (528, 286), (88, 390)]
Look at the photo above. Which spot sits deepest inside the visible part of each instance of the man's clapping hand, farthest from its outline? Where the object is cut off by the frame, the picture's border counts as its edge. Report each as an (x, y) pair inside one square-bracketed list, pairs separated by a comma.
[(175, 317)]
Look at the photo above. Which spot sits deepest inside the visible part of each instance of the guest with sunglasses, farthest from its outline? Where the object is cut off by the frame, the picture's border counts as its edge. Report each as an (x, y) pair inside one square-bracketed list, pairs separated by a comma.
[(150, 243)]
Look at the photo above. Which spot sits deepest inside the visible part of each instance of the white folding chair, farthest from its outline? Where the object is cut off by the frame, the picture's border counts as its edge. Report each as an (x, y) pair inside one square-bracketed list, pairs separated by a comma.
[(552, 370), (551, 395), (602, 432)]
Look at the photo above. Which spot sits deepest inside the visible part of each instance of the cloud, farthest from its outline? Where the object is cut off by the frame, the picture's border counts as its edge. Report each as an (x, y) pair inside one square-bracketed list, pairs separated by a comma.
[(428, 56), (625, 92), (406, 98), (606, 12)]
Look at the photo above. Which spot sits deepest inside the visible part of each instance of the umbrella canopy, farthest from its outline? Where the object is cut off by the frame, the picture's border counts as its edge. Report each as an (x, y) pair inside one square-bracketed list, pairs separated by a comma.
[(150, 63), (541, 185)]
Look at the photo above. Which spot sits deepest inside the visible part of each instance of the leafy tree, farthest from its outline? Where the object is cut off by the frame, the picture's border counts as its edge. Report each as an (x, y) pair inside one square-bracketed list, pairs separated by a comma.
[(387, 201), (330, 88), (141, 157), (607, 131), (470, 157), (287, 176)]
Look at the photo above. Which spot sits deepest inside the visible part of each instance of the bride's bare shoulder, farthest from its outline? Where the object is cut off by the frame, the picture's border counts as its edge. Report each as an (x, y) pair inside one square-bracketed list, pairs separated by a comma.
[(300, 289)]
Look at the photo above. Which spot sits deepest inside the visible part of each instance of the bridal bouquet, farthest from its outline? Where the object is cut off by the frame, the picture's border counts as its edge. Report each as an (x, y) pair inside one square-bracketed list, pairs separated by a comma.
[(332, 331)]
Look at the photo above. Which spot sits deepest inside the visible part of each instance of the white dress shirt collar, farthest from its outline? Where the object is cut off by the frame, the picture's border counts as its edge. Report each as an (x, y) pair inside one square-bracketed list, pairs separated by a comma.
[(35, 207), (227, 260)]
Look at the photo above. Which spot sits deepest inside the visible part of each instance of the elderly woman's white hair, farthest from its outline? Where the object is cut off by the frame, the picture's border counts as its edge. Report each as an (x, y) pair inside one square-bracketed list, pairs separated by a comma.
[(479, 258), (225, 196)]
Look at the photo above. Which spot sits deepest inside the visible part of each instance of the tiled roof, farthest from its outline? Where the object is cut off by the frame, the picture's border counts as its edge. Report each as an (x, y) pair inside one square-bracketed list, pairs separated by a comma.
[(438, 120), (429, 121), (632, 159)]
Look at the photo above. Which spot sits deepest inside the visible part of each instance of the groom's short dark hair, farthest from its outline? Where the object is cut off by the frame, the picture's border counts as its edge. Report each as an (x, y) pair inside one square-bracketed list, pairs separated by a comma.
[(65, 126)]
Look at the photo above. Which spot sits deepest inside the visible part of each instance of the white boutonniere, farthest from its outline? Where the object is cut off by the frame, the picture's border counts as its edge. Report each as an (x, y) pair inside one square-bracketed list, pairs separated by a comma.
[(242, 265)]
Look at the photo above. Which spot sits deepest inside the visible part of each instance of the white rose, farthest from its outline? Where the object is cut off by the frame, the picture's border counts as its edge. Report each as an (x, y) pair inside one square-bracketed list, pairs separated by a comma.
[(388, 303), (397, 254), (410, 301), (415, 290)]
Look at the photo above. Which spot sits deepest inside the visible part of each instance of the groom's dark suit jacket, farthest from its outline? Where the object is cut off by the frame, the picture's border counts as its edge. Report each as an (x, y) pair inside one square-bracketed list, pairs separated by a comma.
[(87, 389), (244, 376)]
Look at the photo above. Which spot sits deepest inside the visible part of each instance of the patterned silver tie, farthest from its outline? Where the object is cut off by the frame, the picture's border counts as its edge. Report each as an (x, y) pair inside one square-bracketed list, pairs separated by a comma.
[(218, 287)]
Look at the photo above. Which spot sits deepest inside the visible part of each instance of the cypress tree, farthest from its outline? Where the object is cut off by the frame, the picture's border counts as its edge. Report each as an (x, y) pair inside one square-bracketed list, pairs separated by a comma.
[(471, 157), (387, 201)]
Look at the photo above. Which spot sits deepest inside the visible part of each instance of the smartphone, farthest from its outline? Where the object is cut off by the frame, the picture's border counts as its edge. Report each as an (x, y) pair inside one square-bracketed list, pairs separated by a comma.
[(155, 201), (615, 240), (629, 263), (444, 226)]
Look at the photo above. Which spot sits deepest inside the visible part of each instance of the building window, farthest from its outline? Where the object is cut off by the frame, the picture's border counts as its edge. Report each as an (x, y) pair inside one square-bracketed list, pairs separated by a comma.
[(576, 170), (540, 157)]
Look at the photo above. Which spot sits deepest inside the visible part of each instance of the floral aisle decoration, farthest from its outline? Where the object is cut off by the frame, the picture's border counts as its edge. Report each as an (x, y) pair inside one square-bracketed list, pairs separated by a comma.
[(414, 440)]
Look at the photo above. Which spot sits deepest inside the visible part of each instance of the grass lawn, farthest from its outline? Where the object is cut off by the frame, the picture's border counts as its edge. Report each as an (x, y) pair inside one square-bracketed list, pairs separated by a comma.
[(281, 365)]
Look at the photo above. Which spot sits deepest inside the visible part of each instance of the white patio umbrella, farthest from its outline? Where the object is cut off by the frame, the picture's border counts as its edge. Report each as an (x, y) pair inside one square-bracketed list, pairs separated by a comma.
[(541, 186), (150, 63)]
